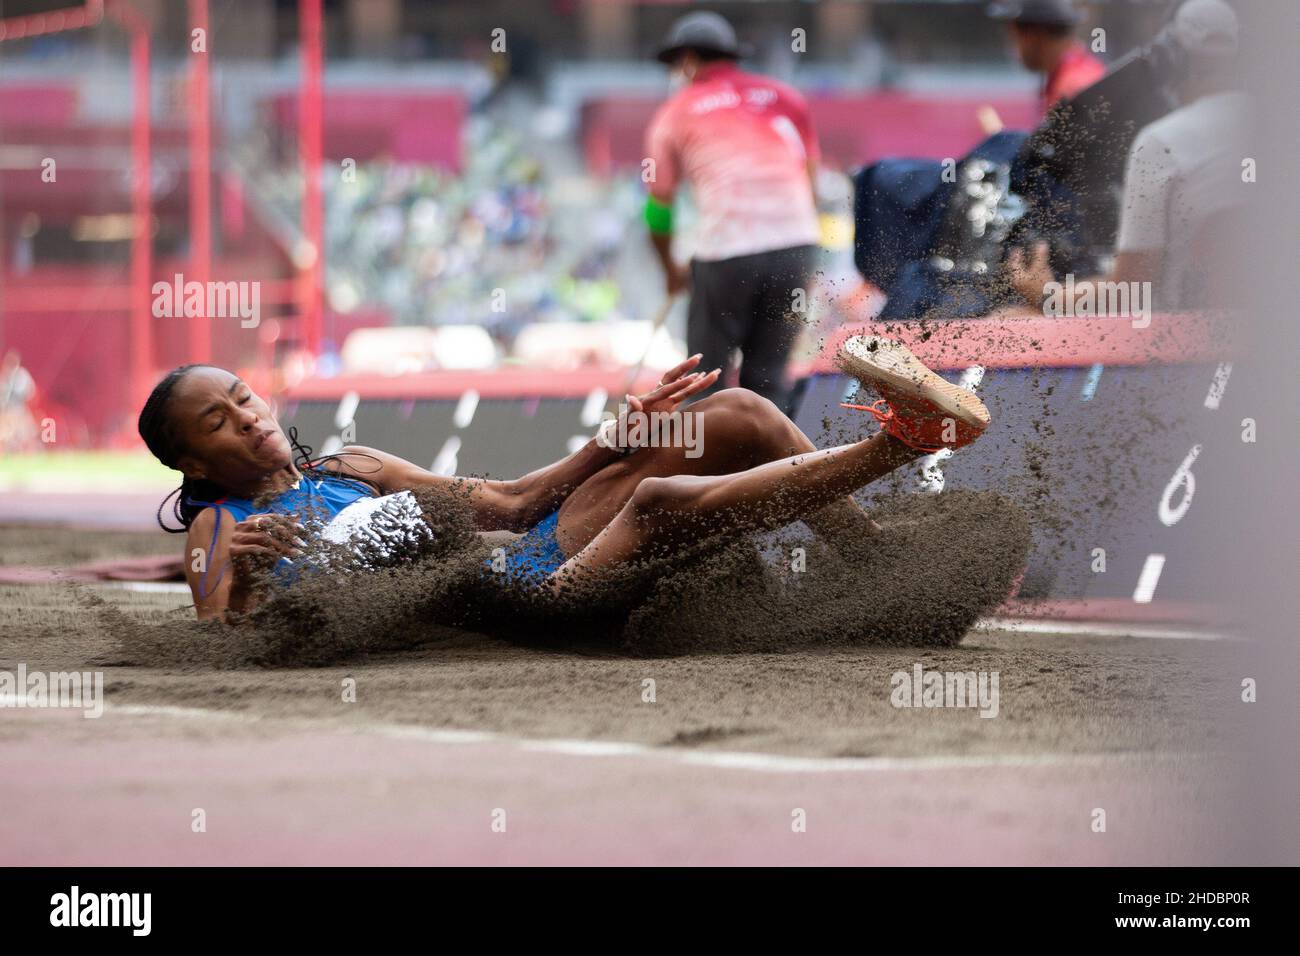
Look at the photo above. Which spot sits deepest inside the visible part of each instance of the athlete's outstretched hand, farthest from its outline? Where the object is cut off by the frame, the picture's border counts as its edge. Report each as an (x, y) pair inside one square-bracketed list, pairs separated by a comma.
[(678, 384)]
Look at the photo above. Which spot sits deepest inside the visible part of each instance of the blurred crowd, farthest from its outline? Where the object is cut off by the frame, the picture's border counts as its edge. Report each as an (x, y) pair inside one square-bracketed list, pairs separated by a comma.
[(480, 247)]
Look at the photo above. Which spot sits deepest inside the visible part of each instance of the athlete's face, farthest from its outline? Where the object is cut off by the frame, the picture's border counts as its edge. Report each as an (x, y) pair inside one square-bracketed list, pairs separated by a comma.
[(228, 433)]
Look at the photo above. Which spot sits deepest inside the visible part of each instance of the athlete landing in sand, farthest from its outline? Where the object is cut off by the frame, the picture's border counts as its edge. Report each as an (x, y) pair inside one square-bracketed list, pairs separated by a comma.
[(596, 508)]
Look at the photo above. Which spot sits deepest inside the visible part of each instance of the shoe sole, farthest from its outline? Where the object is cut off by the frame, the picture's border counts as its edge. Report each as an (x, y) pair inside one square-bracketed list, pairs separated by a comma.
[(875, 362)]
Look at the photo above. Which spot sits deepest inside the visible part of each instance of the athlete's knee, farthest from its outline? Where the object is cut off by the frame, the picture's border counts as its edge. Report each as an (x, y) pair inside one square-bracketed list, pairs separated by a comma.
[(750, 413), (761, 427), (659, 494), (746, 402)]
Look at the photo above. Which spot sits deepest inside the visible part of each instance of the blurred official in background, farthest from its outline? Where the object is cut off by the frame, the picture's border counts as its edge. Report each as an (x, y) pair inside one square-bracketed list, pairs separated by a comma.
[(1184, 184), (746, 147), (1043, 31)]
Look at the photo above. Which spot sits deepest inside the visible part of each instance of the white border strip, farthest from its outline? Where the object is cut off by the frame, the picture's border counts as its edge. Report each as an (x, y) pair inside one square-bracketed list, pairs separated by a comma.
[(1019, 625), (718, 759), (1096, 629), (149, 587)]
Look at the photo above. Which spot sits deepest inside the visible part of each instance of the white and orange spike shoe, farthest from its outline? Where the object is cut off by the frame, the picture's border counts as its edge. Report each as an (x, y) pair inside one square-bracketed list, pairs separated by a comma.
[(917, 406)]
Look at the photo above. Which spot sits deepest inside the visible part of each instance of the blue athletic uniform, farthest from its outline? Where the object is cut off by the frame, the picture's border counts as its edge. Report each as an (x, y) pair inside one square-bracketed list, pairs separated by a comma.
[(535, 554), (324, 497), (530, 558)]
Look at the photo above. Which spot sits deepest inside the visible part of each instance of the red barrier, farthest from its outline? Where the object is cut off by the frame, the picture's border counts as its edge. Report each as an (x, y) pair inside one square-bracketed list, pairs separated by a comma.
[(410, 127), (47, 106)]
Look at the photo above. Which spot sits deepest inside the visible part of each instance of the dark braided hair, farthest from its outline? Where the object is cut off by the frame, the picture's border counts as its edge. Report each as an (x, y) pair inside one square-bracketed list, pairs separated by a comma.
[(159, 433), (188, 501)]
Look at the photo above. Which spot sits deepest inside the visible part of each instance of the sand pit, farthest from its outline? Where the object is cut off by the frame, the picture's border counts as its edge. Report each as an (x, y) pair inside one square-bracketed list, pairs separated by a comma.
[(608, 755), (1058, 694), (938, 564), (1081, 695)]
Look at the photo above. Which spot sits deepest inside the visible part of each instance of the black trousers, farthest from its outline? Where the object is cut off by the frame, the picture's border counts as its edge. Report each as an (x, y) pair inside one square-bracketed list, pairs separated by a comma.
[(750, 303)]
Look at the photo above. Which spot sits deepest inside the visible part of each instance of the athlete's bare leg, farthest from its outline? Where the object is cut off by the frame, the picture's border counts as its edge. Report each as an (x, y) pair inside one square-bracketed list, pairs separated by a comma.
[(664, 513), (920, 410), (740, 430)]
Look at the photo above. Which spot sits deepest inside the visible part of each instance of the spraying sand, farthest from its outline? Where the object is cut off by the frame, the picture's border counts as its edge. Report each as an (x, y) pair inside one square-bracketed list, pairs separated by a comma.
[(939, 563)]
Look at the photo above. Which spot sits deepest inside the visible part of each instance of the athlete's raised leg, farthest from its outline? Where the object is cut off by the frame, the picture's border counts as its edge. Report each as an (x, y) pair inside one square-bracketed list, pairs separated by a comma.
[(922, 412), (739, 429)]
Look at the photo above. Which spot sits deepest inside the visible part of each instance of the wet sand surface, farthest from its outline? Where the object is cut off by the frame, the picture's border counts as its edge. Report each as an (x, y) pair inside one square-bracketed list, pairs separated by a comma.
[(1064, 694)]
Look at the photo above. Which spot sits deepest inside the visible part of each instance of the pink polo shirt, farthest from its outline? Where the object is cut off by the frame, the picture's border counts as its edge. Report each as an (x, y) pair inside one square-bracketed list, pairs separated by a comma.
[(1077, 71), (743, 142)]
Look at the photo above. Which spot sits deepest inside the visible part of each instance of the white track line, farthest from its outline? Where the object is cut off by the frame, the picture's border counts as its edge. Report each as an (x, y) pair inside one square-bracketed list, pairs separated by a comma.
[(151, 587), (1095, 629), (1020, 625), (719, 759)]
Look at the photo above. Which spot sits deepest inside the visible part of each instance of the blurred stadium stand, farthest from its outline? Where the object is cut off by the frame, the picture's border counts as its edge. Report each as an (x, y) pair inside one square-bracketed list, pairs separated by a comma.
[(477, 172)]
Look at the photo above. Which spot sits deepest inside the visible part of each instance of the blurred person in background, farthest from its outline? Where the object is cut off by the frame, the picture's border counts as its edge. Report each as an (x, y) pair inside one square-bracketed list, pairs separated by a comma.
[(745, 145), (1182, 187), (17, 388), (1043, 33)]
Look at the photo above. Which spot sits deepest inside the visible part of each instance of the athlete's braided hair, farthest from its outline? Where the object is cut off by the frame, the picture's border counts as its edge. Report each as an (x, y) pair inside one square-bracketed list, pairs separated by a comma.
[(158, 431)]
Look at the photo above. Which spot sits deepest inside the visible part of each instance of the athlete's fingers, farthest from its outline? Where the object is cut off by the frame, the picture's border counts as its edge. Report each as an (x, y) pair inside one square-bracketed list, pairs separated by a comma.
[(266, 538), (634, 403), (275, 549), (248, 548), (697, 384), (677, 371), (269, 521), (254, 552), (281, 543), (668, 387), (277, 526), (661, 394), (674, 390)]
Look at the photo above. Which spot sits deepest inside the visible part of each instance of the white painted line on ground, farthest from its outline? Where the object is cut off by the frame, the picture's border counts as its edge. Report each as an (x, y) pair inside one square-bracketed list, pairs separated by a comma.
[(1150, 576), (1218, 385), (720, 759), (190, 713), (1096, 629), (150, 587), (1019, 625)]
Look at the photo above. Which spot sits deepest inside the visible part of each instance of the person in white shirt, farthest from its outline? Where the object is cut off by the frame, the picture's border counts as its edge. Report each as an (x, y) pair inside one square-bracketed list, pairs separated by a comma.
[(1184, 177), (17, 426)]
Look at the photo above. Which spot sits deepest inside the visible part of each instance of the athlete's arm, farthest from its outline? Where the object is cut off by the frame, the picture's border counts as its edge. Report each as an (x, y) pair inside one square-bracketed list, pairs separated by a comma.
[(518, 505), (496, 505)]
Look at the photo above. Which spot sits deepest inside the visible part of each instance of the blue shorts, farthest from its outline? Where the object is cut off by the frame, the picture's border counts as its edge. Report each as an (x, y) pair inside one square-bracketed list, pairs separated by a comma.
[(536, 555)]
